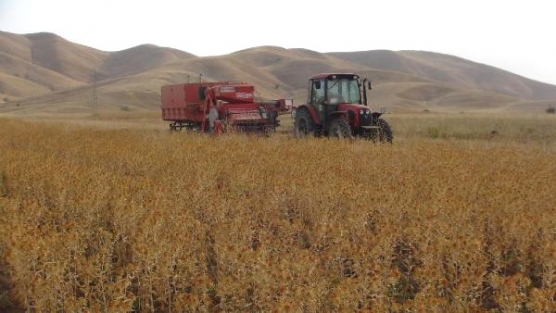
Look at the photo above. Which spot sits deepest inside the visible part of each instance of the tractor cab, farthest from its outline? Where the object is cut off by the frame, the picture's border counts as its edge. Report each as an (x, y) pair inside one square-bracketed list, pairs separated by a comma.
[(329, 94), (335, 89)]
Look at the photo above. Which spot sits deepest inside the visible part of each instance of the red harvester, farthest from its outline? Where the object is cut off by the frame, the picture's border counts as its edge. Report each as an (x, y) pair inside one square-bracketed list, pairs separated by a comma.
[(188, 106)]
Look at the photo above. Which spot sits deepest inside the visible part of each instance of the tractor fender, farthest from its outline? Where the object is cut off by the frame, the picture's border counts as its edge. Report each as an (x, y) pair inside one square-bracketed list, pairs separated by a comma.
[(376, 115), (312, 111)]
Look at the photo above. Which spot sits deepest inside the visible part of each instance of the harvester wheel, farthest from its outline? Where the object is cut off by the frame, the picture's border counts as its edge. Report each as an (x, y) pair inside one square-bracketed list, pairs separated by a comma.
[(175, 127), (383, 133), (268, 130), (339, 128), (304, 125)]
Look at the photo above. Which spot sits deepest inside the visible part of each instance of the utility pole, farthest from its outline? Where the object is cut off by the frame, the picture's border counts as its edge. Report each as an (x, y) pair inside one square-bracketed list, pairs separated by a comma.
[(94, 96)]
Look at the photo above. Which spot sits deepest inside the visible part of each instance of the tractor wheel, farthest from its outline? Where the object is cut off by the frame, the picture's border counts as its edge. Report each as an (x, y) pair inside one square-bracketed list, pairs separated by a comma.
[(175, 127), (339, 128), (385, 133), (268, 130), (304, 125)]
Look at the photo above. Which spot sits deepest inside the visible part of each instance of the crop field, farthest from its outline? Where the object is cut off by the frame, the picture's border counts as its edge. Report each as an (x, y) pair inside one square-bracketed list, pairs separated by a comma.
[(458, 215)]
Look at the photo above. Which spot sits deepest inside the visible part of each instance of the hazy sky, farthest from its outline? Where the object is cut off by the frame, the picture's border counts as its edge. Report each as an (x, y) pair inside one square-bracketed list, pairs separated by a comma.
[(515, 35)]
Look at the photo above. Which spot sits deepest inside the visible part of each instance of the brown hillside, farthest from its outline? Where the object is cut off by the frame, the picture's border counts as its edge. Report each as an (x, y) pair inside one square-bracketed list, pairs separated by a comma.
[(46, 73), (57, 54), (139, 59), (265, 56), (16, 45), (441, 68), (486, 77), (233, 67), (23, 79), (39, 64), (21, 76)]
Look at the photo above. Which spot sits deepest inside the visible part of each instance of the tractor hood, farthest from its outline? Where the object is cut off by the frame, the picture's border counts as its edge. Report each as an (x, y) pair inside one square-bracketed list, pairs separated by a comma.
[(359, 115), (355, 108)]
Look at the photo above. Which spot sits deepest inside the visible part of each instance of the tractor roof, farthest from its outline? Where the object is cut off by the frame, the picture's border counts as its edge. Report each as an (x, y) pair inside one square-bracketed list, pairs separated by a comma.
[(334, 75)]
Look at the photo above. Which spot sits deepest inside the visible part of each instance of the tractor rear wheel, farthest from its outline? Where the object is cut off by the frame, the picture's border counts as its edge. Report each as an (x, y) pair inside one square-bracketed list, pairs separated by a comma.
[(304, 125), (339, 128)]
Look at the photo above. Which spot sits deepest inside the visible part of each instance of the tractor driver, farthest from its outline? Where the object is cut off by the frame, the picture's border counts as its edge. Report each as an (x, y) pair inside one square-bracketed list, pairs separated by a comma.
[(334, 94), (334, 98), (212, 116)]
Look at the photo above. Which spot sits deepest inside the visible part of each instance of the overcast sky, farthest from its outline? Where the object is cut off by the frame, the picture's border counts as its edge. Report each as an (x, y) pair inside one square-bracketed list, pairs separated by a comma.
[(515, 35)]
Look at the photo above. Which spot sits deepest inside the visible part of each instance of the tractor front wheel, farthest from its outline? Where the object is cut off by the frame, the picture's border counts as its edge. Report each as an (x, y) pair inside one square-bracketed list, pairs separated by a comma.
[(339, 128), (383, 133), (304, 125)]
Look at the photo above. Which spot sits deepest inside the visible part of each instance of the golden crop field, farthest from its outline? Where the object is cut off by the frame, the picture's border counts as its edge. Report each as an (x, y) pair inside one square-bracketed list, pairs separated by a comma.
[(458, 215)]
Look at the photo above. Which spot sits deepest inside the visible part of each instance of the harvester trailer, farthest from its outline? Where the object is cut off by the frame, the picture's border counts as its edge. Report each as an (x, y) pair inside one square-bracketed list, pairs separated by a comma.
[(337, 106), (220, 107)]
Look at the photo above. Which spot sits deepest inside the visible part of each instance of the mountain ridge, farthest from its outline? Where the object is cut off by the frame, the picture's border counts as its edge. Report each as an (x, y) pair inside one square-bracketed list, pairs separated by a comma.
[(43, 72)]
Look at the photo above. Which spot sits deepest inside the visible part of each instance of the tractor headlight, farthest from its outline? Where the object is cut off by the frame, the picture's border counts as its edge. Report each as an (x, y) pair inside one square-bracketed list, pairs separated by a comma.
[(361, 111)]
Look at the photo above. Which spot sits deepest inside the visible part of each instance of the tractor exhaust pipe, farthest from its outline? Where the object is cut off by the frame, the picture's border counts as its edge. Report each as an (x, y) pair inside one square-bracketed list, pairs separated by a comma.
[(366, 83)]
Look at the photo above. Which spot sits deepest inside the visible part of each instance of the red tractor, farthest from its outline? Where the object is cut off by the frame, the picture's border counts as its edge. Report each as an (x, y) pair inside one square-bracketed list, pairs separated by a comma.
[(337, 107), (220, 107)]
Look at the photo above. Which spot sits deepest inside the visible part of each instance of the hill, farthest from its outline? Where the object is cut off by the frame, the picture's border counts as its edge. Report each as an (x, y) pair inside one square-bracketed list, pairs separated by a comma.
[(44, 73), (441, 68)]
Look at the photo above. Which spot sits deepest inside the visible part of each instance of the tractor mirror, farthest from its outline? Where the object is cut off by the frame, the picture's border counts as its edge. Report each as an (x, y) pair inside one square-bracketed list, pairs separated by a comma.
[(369, 87)]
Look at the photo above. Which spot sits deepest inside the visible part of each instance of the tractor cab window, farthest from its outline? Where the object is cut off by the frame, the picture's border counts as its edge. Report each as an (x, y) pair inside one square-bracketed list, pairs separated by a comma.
[(343, 90), (317, 91)]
